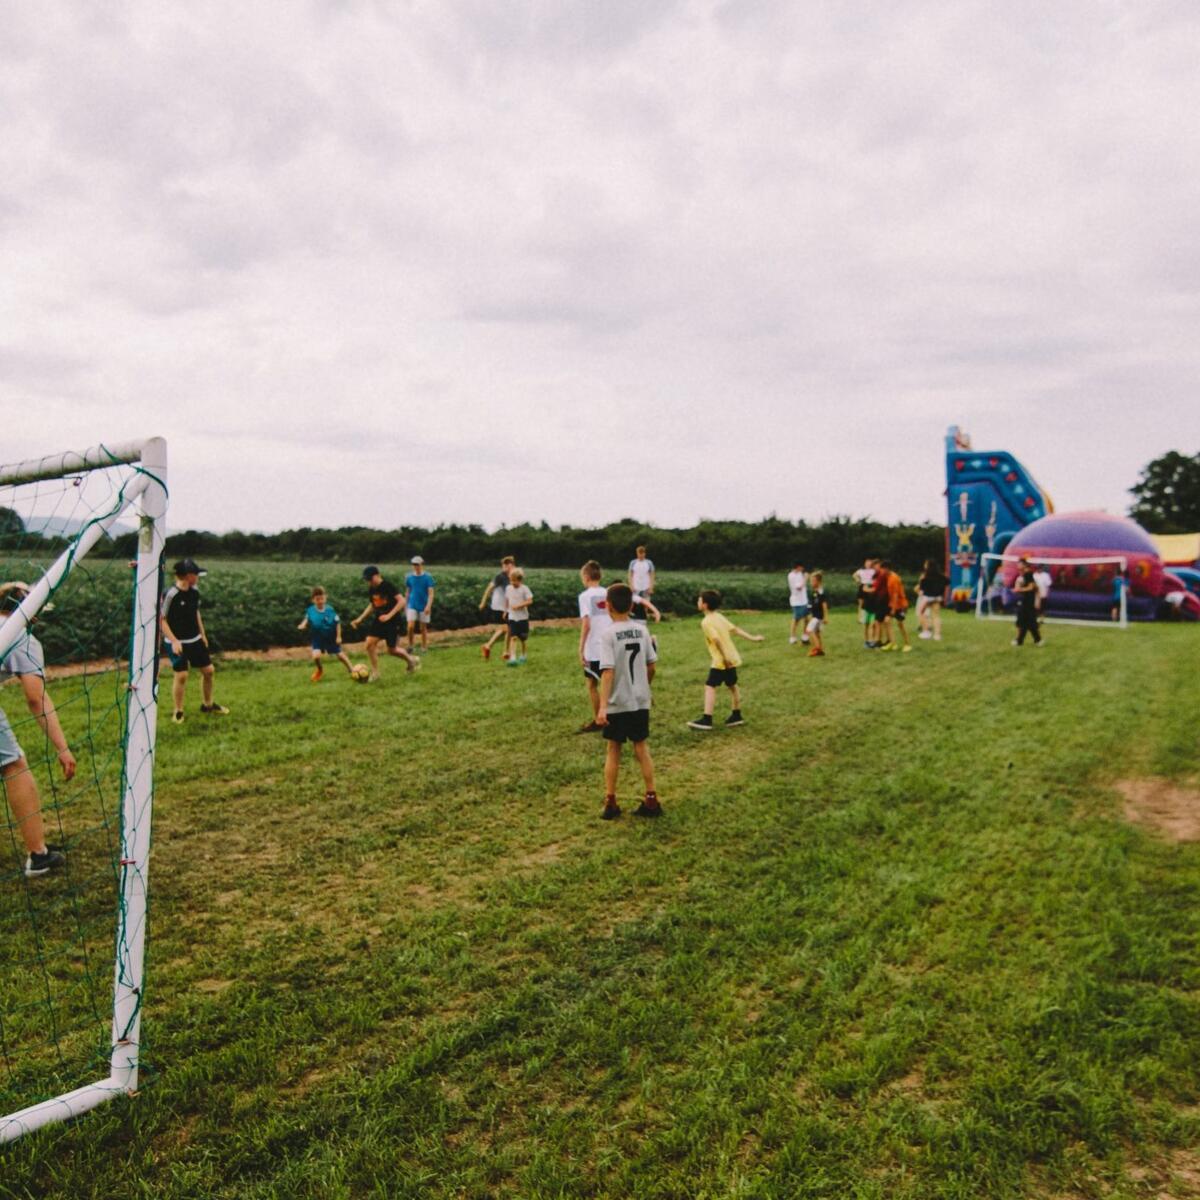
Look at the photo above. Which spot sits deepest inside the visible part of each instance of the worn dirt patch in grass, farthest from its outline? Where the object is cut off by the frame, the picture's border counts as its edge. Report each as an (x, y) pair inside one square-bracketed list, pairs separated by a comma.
[(1170, 809)]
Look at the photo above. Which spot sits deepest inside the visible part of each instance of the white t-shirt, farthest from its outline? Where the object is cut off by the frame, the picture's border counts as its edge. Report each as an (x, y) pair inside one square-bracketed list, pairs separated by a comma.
[(517, 598), (1043, 581), (627, 649), (593, 604), (865, 576), (798, 585), (25, 658), (640, 570)]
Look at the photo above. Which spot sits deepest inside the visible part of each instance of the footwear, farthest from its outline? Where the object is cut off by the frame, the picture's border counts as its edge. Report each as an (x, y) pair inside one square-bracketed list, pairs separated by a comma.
[(791, 641), (906, 649), (215, 710), (704, 722), (924, 635), (1015, 642), (649, 807), (373, 677), (814, 653), (611, 810), (316, 675), (486, 651), (521, 661), (590, 727), (50, 859), (819, 653), (510, 662), (804, 639), (177, 717), (937, 637), (734, 718)]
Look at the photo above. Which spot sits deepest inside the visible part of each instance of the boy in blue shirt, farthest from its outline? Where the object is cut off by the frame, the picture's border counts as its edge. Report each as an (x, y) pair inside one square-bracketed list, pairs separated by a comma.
[(325, 628), (418, 601)]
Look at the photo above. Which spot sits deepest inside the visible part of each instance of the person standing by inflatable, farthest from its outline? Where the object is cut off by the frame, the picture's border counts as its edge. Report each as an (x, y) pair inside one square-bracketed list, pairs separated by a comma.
[(1027, 592), (931, 589), (1043, 580), (1120, 583)]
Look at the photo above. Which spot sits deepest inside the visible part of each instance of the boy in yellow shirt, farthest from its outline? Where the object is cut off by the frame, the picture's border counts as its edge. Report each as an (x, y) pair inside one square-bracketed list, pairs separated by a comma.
[(718, 636)]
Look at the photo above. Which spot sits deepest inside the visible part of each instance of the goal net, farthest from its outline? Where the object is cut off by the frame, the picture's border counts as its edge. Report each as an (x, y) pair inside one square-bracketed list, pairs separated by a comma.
[(81, 542), (1072, 591)]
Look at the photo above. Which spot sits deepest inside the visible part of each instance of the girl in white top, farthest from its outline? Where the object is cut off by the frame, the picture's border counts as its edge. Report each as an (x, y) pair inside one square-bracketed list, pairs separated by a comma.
[(798, 599)]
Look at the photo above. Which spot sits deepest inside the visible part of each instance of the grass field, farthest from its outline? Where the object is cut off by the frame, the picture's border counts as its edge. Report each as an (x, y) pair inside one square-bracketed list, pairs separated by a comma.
[(893, 938)]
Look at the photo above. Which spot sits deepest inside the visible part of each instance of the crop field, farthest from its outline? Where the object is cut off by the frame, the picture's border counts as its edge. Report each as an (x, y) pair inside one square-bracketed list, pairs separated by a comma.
[(926, 926)]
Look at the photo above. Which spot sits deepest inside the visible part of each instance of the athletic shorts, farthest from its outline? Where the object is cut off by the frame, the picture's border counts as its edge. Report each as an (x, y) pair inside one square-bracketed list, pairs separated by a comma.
[(924, 603), (592, 670), (499, 616), (10, 748), (814, 625), (194, 654), (519, 629), (326, 644), (899, 613), (879, 610), (412, 616), (388, 631), (800, 611), (638, 613), (625, 727), (718, 677)]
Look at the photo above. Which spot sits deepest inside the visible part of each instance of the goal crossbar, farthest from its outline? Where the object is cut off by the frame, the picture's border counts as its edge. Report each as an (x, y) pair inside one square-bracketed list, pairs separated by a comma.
[(982, 590)]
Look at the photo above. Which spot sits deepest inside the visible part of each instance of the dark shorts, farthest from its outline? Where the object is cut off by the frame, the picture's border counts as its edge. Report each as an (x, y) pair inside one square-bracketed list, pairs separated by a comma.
[(592, 670), (878, 609), (326, 644), (638, 612), (195, 654), (519, 629), (628, 726), (899, 613), (389, 631), (717, 677), (499, 616)]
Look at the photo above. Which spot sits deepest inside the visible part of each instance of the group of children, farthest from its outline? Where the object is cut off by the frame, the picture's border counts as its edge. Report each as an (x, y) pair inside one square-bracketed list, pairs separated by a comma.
[(883, 605)]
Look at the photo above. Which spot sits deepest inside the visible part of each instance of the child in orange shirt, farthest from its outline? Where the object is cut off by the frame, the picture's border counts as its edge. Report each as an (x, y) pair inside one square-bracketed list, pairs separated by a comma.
[(897, 609)]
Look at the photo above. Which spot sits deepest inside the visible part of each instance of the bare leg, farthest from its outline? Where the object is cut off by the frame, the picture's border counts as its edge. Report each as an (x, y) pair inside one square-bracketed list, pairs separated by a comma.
[(318, 669), (937, 622), (594, 696), (398, 651), (373, 656), (735, 696), (25, 804), (206, 684), (710, 700), (179, 689), (641, 751), (344, 659), (612, 767)]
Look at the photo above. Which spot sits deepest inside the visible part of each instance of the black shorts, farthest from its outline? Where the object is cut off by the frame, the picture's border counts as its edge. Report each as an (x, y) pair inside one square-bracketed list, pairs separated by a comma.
[(899, 614), (518, 629), (878, 609), (389, 631), (193, 654), (499, 617), (592, 670), (638, 612), (717, 677), (625, 727)]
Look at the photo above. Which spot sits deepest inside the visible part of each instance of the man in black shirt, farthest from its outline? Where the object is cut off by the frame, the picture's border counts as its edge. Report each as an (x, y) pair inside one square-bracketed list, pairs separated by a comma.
[(383, 604), (186, 642)]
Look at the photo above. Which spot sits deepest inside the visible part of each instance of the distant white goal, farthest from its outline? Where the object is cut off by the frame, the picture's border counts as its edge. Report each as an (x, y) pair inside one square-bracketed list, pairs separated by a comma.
[(83, 534), (1067, 603)]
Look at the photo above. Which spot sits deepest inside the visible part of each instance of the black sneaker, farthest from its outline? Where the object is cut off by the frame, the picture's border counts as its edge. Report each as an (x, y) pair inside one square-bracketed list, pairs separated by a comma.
[(51, 859), (704, 722), (611, 812), (218, 710), (649, 807), (177, 717), (734, 718)]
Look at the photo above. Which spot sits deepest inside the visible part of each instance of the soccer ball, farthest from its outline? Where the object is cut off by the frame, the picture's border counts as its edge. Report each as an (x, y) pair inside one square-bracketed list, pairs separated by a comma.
[(360, 674)]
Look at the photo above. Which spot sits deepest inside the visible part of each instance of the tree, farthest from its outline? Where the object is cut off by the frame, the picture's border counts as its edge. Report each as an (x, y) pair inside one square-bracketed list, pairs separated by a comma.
[(1167, 496)]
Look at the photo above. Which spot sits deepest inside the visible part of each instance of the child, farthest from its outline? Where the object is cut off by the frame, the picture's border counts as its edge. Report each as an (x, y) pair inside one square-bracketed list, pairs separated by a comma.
[(326, 627), (1025, 588), (718, 631), (1118, 591), (897, 601), (25, 662), (627, 659), (819, 609), (517, 598), (865, 578), (798, 598), (593, 609), (186, 641), (418, 602), (931, 587), (496, 589), (383, 604)]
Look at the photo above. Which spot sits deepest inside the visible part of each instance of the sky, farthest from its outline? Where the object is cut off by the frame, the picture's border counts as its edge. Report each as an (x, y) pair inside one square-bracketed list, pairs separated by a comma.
[(575, 260)]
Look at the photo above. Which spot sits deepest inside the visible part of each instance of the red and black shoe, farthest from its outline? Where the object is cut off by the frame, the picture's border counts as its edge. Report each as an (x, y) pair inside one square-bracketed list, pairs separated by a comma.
[(649, 807), (612, 810)]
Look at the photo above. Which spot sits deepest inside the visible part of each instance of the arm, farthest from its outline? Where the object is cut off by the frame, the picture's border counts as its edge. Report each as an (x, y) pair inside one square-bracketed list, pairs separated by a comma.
[(606, 682), (750, 637), (176, 646), (200, 626), (429, 600), (46, 715), (650, 670), (304, 624), (653, 576), (583, 637), (337, 633), (487, 591), (362, 616)]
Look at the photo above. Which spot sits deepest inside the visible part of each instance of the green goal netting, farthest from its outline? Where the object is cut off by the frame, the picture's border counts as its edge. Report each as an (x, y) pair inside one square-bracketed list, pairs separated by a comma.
[(81, 540)]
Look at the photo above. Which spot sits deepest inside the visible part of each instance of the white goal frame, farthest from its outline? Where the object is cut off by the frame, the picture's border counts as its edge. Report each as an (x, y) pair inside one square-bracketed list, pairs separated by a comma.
[(149, 489), (983, 593)]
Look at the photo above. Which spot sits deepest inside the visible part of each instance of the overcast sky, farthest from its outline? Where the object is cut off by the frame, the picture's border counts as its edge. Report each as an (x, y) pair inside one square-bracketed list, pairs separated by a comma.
[(456, 260)]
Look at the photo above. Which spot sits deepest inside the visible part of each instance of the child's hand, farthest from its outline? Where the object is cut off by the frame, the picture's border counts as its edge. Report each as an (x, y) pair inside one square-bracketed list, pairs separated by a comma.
[(759, 638), (602, 717)]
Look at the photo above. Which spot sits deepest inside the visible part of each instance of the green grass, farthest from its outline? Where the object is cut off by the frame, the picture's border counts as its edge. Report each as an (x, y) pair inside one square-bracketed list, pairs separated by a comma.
[(892, 938)]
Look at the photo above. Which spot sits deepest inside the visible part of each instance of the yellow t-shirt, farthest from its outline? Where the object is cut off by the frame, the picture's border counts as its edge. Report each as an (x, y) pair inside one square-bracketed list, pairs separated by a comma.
[(721, 649)]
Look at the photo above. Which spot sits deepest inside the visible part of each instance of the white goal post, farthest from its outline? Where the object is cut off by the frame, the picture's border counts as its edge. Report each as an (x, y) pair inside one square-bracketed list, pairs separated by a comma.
[(987, 593), (147, 487)]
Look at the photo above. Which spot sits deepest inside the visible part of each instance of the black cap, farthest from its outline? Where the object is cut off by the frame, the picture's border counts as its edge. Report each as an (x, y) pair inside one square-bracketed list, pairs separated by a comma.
[(188, 566), (370, 572)]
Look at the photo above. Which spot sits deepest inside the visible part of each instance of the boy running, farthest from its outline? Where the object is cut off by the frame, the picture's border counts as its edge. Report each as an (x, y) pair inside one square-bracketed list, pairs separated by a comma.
[(593, 609), (627, 658), (383, 603), (25, 662), (326, 633), (418, 602), (725, 660), (819, 610), (496, 589), (186, 642), (798, 598), (517, 598)]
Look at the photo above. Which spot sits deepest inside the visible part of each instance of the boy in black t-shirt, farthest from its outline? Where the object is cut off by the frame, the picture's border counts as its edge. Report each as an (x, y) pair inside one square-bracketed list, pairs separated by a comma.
[(818, 608), (1026, 590), (185, 639), (383, 604)]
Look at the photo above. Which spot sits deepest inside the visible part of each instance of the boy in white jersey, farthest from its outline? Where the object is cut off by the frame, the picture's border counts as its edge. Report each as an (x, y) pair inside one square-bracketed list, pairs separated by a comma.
[(798, 599), (593, 608), (627, 659)]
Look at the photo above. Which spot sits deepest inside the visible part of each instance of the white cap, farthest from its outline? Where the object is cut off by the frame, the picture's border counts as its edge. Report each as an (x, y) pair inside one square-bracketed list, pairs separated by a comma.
[(416, 558)]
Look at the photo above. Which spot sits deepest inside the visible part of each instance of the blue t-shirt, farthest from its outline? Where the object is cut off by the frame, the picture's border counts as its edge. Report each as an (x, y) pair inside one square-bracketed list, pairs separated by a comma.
[(418, 590), (322, 621)]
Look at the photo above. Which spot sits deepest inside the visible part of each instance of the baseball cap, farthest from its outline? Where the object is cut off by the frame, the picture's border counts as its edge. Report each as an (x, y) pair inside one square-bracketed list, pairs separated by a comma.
[(189, 566), (370, 572), (416, 558)]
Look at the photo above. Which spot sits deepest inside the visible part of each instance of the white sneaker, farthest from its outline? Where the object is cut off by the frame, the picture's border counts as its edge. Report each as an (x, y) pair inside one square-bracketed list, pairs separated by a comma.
[(804, 639), (791, 641), (924, 635)]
